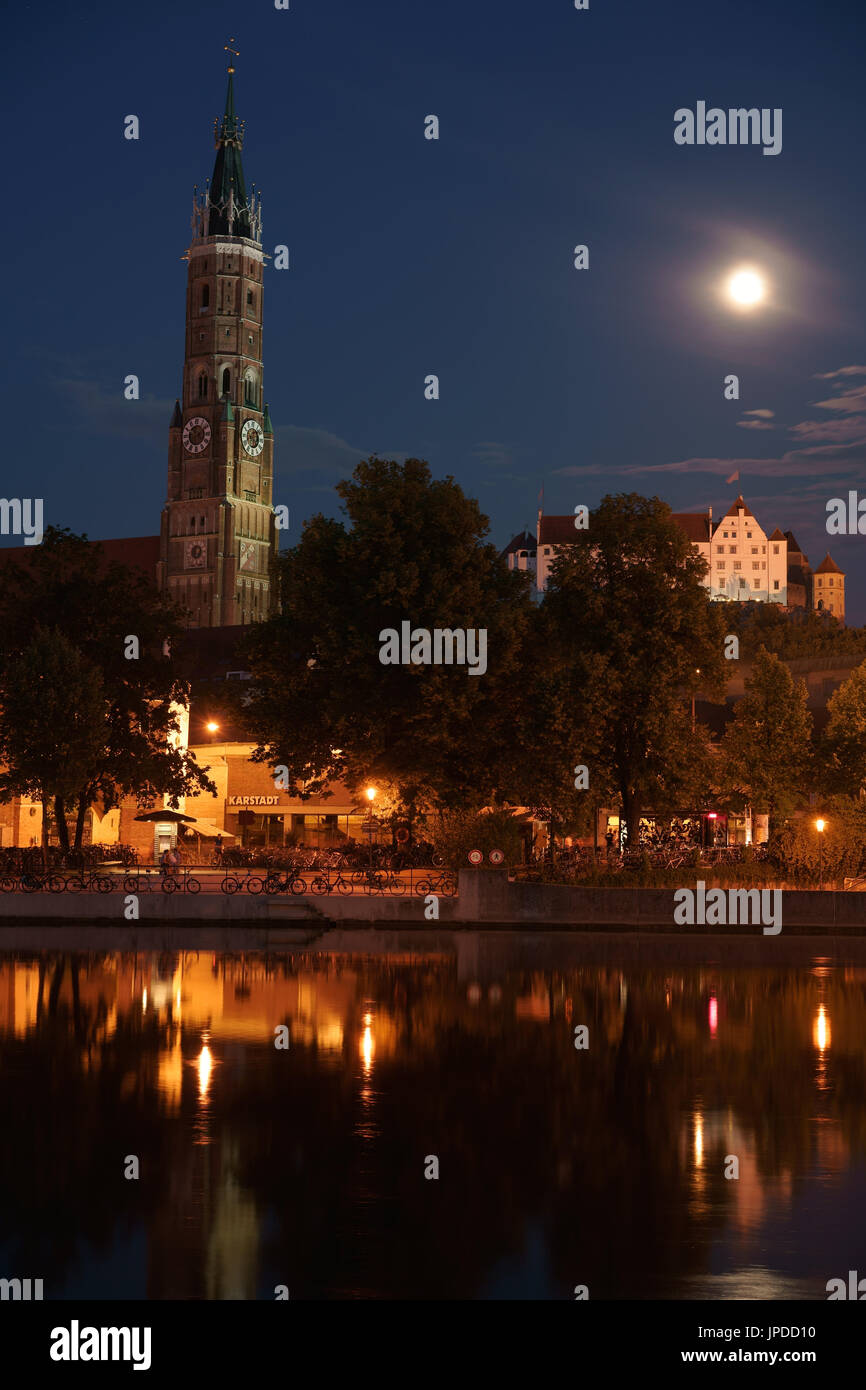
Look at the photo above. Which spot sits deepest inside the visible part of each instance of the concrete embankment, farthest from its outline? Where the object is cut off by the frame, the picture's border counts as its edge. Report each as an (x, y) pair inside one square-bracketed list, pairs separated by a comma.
[(487, 898)]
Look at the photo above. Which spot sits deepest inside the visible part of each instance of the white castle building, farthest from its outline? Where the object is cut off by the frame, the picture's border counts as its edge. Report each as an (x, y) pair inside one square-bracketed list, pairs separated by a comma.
[(744, 563)]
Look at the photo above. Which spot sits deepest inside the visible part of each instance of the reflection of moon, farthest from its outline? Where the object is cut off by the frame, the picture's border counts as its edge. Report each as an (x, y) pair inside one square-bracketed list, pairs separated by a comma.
[(746, 288)]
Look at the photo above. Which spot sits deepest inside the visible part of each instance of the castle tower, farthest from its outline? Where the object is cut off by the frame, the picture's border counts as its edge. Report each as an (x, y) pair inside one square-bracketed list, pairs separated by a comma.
[(218, 533), (828, 588)]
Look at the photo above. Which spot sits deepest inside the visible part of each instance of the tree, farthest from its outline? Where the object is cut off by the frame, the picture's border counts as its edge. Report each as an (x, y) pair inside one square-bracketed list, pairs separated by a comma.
[(633, 636), (51, 721), (842, 750), (99, 608), (322, 702), (767, 746)]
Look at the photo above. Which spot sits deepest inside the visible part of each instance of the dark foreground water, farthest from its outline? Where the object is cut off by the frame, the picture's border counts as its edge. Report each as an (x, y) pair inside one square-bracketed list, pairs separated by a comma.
[(305, 1166)]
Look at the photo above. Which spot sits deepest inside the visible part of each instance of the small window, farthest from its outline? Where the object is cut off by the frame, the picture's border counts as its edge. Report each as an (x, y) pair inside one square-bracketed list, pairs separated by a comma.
[(737, 565), (249, 296), (732, 550), (720, 550), (720, 564), (748, 535), (754, 550), (775, 550), (250, 337), (202, 387), (756, 583), (227, 381), (775, 583), (205, 296), (725, 534), (831, 581)]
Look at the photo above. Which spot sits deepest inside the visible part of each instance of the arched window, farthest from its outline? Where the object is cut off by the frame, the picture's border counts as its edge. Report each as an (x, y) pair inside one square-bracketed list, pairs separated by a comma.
[(205, 296), (250, 299), (227, 382), (251, 390), (202, 387)]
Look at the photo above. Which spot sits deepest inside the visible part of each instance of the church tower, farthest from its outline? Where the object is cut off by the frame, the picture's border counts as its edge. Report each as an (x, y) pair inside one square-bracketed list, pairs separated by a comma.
[(218, 534)]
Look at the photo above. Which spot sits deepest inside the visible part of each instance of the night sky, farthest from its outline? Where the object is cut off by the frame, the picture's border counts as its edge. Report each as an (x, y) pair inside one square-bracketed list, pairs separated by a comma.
[(455, 257)]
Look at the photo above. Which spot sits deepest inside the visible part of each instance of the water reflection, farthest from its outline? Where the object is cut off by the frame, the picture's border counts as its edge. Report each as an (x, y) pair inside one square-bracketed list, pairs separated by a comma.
[(305, 1166)]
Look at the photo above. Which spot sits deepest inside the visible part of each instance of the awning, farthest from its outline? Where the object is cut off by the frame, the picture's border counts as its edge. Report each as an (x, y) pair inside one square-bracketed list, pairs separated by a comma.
[(211, 830)]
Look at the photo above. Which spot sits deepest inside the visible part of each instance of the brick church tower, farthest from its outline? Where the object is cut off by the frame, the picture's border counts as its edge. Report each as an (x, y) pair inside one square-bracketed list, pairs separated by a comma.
[(218, 534)]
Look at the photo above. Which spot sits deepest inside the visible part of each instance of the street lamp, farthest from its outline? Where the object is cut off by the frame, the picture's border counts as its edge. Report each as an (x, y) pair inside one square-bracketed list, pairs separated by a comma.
[(371, 797), (820, 824)]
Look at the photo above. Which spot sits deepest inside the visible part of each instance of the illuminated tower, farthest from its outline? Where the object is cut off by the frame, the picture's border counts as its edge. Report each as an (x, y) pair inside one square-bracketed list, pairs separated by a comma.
[(218, 534)]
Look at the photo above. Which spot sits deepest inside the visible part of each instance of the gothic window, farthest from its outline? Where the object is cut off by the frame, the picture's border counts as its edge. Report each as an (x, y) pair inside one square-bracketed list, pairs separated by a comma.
[(227, 382), (250, 298), (202, 387), (205, 296), (201, 522), (251, 392)]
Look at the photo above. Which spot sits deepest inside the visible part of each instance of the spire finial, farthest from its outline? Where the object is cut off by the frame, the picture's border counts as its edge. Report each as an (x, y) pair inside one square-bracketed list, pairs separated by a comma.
[(234, 54)]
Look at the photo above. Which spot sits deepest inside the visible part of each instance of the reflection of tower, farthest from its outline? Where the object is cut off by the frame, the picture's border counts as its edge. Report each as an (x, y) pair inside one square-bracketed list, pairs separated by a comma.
[(233, 1241)]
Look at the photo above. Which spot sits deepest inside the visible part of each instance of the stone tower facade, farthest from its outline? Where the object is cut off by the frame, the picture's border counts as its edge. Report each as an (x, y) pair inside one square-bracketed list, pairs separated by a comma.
[(828, 588), (218, 534)]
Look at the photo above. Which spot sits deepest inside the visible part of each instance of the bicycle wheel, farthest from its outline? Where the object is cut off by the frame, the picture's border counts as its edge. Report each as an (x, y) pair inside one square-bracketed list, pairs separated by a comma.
[(447, 886), (343, 885), (298, 884), (7, 883), (30, 883), (396, 887), (193, 885), (230, 884), (56, 883), (274, 884), (104, 885), (320, 884), (169, 885), (130, 883), (255, 884), (423, 887)]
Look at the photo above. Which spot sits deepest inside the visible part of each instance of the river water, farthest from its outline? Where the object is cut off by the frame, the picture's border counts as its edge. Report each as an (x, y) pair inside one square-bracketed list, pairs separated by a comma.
[(708, 1142)]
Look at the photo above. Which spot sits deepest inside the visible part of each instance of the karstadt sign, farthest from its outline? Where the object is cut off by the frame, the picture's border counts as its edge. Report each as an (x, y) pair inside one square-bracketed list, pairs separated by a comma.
[(254, 801)]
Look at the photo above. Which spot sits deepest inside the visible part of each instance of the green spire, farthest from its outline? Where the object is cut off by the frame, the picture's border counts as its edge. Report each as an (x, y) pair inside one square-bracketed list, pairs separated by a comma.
[(228, 413), (266, 422), (227, 199)]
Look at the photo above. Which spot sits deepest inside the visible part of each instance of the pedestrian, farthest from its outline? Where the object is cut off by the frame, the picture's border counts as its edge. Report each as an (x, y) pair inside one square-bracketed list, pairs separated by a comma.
[(609, 838), (218, 849)]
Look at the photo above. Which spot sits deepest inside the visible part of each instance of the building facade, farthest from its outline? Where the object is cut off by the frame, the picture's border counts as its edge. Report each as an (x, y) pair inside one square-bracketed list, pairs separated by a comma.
[(744, 563), (219, 536)]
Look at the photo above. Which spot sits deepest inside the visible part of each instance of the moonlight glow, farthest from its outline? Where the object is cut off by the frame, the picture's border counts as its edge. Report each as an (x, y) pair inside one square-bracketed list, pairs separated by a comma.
[(746, 288)]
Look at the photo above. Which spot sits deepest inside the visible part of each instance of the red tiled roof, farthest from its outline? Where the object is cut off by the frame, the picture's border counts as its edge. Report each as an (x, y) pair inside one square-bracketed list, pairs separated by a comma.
[(136, 552), (736, 506), (556, 530), (777, 535), (828, 566), (695, 524)]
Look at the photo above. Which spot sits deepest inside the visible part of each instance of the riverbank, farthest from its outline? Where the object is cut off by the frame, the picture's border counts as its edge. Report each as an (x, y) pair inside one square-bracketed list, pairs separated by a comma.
[(486, 898)]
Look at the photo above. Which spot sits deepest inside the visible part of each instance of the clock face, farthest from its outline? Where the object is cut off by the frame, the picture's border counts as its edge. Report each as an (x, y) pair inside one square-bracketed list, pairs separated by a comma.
[(196, 435), (253, 439), (196, 555)]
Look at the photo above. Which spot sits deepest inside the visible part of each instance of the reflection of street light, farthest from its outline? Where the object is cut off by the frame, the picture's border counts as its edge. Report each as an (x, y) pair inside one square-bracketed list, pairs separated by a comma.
[(820, 823)]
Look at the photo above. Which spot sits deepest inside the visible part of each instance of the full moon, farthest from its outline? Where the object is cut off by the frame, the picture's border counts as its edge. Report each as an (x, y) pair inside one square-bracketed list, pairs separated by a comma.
[(746, 288)]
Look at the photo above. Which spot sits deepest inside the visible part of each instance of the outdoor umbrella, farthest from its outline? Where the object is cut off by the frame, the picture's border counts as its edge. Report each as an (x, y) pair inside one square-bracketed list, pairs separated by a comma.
[(164, 815)]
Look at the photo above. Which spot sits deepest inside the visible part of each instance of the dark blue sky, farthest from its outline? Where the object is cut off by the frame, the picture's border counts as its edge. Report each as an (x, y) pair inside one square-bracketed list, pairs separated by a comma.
[(453, 257)]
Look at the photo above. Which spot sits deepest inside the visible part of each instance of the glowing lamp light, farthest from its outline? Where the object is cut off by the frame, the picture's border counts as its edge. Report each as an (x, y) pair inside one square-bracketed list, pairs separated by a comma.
[(821, 1029), (205, 1066), (819, 825), (712, 815), (212, 727), (370, 793)]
